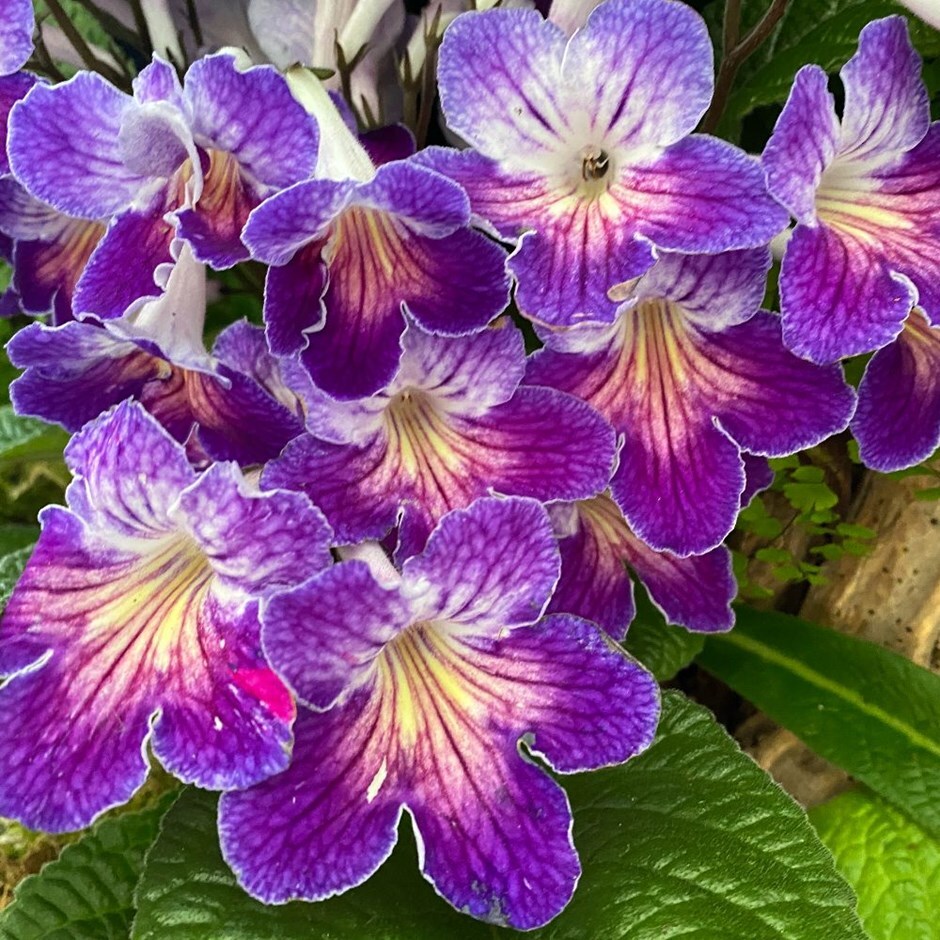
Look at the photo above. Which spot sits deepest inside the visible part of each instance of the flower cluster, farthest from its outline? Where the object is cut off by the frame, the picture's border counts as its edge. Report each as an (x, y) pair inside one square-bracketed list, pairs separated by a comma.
[(369, 556)]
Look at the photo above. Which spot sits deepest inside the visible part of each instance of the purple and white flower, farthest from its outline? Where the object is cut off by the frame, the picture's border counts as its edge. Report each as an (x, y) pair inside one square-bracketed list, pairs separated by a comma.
[(691, 374), (189, 161), (865, 192), (136, 620), (354, 248), (582, 149), (452, 426), (427, 691)]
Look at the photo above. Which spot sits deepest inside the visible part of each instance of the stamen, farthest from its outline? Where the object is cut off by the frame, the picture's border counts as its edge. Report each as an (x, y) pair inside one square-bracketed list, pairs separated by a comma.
[(594, 163)]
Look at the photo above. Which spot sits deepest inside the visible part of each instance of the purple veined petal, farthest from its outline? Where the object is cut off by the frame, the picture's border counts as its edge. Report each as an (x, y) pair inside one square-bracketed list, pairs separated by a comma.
[(700, 195), (838, 295), (505, 855), (159, 81), (50, 252), (803, 145), (650, 69), (489, 568), (128, 473), (122, 271), (897, 423), (377, 266), (685, 399), (393, 142), (12, 89), (257, 542), (133, 628), (156, 140), (293, 300), (324, 636), (63, 147), (252, 116), (714, 291), (17, 23), (500, 83), (759, 477), (694, 592), (887, 108)]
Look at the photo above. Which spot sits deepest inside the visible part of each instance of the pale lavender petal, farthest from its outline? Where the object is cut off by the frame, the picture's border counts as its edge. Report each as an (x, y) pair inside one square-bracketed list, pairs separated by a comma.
[(17, 23), (159, 81), (897, 423), (803, 144), (63, 147)]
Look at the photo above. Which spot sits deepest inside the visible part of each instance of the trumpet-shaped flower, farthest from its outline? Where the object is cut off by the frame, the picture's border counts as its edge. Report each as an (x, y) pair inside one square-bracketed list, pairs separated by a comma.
[(351, 251), (17, 22), (865, 193), (429, 690), (597, 549), (582, 149), (690, 374), (227, 406), (452, 426), (192, 161), (136, 620), (897, 423)]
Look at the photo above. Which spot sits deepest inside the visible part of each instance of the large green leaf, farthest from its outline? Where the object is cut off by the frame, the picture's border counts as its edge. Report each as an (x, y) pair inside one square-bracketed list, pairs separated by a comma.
[(893, 865), (691, 839), (823, 32), (87, 893), (11, 567), (664, 649), (26, 438), (870, 711)]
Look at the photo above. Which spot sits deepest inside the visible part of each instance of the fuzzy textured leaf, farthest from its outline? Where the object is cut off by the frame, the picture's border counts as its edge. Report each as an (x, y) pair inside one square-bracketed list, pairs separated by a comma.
[(893, 865), (691, 839), (865, 708), (664, 649)]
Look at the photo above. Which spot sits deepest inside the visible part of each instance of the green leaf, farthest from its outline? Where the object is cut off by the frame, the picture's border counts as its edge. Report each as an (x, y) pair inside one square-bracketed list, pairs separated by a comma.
[(87, 893), (691, 839), (664, 649), (863, 707), (893, 865), (26, 438), (14, 537), (11, 567)]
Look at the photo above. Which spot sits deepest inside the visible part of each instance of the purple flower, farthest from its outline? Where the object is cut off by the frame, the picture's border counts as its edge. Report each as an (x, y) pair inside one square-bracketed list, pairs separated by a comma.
[(690, 374), (192, 161), (582, 149), (353, 249), (50, 251), (17, 23), (597, 548), (865, 193), (136, 619), (897, 423), (452, 426), (422, 688)]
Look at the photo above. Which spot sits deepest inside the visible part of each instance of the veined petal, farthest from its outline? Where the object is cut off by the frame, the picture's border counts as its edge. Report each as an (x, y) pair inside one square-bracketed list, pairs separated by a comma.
[(16, 34), (437, 730), (887, 108), (803, 144), (694, 592), (159, 81), (63, 147), (897, 423), (686, 402), (12, 89)]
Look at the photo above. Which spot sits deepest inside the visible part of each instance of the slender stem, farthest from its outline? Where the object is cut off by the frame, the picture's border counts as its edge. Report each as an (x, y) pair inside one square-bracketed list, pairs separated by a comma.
[(194, 23), (731, 27), (735, 57), (140, 21), (111, 24), (81, 47), (44, 60)]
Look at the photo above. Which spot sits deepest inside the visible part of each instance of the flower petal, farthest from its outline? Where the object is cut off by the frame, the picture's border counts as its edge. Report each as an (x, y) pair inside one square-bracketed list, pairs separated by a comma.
[(16, 34), (12, 89), (803, 144), (63, 147), (897, 423)]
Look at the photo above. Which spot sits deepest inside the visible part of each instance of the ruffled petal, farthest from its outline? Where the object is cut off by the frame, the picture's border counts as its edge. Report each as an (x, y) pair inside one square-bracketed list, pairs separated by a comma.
[(12, 89), (897, 423)]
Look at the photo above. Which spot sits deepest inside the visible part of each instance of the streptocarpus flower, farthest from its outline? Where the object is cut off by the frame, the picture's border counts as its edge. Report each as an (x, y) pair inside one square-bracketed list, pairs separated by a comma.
[(190, 161), (354, 248), (226, 406), (582, 149), (691, 374), (897, 423), (16, 34), (137, 619), (452, 426), (50, 251), (422, 689), (865, 193), (597, 547)]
